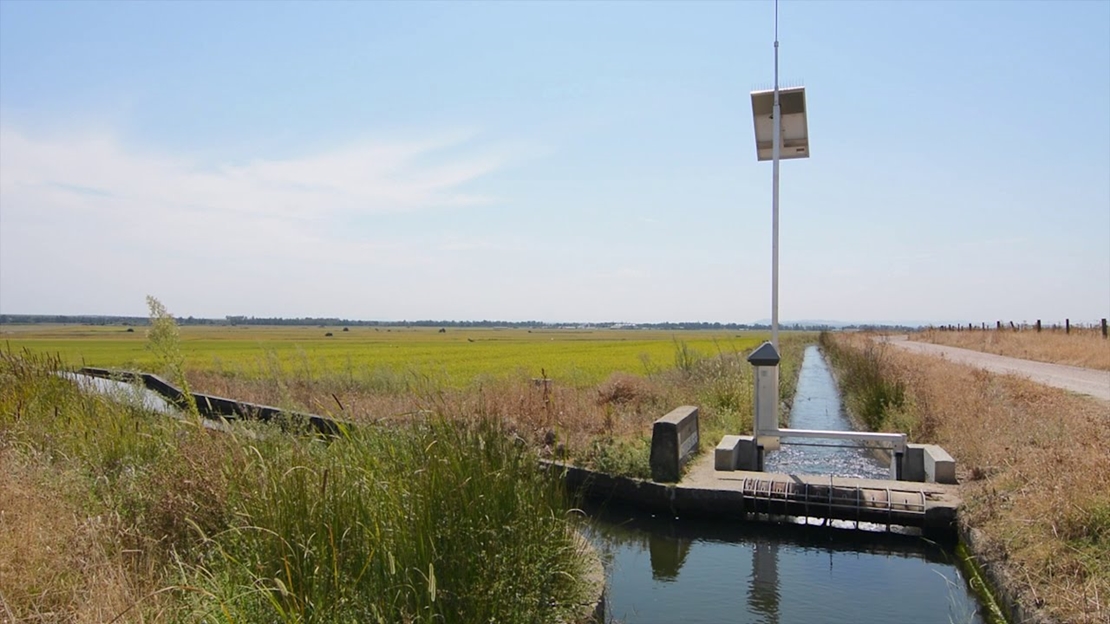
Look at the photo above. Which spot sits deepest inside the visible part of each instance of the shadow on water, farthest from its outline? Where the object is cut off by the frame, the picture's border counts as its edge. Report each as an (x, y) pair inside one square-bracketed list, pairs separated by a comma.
[(663, 569)]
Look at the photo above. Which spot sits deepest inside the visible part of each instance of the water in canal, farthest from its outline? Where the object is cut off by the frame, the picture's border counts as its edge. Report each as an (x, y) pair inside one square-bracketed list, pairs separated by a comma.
[(665, 569)]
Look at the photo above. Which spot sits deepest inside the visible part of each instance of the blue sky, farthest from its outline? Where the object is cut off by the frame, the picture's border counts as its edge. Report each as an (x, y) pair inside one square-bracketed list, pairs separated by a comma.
[(553, 161)]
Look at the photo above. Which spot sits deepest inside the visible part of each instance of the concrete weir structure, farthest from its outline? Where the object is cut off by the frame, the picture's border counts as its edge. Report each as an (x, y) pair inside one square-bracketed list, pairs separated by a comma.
[(731, 481)]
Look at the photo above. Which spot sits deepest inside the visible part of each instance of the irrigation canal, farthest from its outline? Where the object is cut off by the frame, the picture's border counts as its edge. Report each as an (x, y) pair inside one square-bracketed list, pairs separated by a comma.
[(664, 569)]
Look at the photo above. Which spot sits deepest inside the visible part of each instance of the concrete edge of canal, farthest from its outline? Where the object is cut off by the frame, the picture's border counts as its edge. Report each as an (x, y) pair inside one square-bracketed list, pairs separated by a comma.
[(735, 497), (593, 610), (999, 592)]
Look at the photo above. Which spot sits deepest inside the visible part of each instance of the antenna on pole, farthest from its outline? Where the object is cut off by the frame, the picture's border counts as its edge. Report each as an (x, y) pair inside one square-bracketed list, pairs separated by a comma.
[(781, 133), (776, 138)]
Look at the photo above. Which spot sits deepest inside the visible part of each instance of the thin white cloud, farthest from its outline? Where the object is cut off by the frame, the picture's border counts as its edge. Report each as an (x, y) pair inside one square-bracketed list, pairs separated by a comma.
[(92, 200), (124, 195)]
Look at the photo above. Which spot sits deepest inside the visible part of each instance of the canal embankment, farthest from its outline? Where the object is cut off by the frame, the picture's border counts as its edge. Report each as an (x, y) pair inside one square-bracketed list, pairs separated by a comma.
[(112, 511), (1032, 466)]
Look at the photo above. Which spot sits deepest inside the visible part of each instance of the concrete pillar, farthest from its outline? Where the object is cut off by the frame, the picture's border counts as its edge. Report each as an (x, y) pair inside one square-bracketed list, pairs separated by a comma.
[(765, 360)]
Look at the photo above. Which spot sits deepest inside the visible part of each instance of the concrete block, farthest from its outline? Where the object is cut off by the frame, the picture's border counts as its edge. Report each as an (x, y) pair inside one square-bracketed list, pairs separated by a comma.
[(913, 463), (674, 440), (727, 454), (748, 455), (939, 465)]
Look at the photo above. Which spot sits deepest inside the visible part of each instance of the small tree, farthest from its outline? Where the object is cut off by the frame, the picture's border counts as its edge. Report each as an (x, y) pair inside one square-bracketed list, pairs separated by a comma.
[(164, 340)]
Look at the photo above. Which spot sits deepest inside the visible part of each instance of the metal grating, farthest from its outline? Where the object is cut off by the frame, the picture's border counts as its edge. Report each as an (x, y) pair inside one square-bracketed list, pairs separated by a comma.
[(840, 502)]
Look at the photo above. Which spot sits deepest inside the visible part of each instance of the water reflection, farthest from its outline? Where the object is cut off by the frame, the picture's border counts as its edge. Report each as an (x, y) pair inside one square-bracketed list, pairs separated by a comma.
[(663, 569), (763, 592), (667, 556)]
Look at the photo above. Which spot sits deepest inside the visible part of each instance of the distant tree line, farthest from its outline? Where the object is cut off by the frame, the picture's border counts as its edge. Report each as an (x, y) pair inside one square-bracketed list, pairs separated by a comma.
[(30, 319)]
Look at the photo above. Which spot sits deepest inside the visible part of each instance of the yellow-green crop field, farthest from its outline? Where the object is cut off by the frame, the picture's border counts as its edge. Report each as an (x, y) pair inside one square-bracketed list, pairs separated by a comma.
[(457, 357)]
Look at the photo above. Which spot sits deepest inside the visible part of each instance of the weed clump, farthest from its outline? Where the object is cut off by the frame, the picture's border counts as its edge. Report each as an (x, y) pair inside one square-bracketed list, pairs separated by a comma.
[(624, 388)]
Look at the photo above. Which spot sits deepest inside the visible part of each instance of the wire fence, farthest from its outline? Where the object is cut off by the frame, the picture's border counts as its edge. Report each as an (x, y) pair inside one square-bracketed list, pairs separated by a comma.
[(1067, 327)]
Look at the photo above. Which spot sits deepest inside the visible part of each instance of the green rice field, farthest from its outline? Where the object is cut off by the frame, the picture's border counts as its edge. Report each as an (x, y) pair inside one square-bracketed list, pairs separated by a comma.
[(456, 357)]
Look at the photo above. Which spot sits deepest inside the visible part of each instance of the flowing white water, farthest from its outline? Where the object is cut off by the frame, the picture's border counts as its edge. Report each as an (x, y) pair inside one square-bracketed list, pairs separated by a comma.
[(817, 405)]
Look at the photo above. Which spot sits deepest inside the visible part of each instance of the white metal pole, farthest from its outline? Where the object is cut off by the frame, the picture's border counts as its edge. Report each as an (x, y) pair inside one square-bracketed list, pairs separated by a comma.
[(776, 122)]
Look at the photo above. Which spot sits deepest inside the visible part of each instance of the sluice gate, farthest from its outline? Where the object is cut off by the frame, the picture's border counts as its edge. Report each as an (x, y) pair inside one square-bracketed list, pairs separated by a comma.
[(874, 504)]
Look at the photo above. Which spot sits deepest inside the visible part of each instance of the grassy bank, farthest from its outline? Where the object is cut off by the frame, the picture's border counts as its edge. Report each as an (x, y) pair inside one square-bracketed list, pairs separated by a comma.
[(109, 511), (1032, 463)]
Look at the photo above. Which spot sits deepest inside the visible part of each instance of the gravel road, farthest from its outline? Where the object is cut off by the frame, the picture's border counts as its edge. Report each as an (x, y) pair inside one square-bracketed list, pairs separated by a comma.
[(1087, 381)]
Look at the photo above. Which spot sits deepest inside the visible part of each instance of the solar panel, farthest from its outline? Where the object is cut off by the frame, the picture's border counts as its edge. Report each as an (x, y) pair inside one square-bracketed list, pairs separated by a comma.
[(795, 130)]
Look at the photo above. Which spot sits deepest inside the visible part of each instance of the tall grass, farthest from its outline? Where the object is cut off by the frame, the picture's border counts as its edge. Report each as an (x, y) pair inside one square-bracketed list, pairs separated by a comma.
[(871, 392), (433, 521)]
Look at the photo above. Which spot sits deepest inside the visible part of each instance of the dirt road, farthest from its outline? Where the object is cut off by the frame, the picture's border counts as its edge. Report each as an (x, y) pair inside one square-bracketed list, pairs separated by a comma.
[(1087, 381)]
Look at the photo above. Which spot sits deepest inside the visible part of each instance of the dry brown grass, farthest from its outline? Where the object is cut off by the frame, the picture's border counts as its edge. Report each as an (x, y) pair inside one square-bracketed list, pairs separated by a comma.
[(1085, 348), (1035, 475), (560, 420), (57, 562)]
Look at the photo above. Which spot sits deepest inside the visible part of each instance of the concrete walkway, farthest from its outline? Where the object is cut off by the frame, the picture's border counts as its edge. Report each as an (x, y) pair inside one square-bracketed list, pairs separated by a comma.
[(1092, 382)]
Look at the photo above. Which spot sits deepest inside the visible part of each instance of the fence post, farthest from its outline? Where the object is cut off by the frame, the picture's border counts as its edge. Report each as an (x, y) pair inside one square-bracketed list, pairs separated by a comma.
[(1067, 326), (998, 325), (1103, 328), (1038, 326)]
